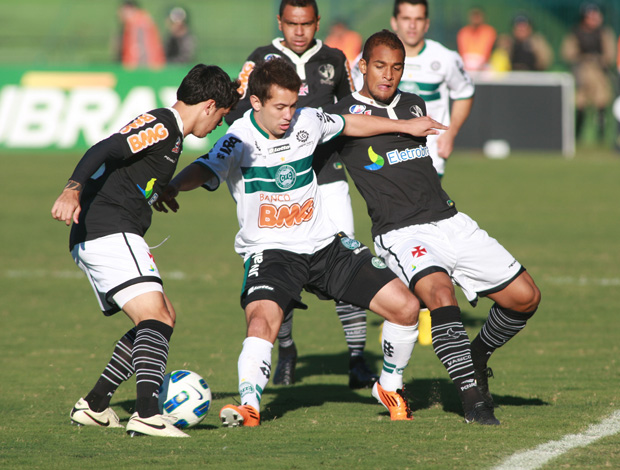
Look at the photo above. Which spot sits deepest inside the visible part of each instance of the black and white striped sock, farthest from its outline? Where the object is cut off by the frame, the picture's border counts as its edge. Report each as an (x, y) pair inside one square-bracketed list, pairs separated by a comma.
[(501, 325), (353, 321), (116, 372), (149, 357), (451, 345), (285, 335)]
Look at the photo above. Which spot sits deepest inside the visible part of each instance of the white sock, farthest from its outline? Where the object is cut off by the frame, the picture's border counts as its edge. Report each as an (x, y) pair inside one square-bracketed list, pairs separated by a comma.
[(254, 369), (398, 342)]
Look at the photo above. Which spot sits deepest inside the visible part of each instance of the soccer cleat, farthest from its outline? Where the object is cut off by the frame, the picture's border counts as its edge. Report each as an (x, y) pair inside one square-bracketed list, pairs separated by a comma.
[(482, 376), (156, 425), (285, 370), (244, 415), (481, 413), (82, 415), (395, 402), (360, 375), (424, 328)]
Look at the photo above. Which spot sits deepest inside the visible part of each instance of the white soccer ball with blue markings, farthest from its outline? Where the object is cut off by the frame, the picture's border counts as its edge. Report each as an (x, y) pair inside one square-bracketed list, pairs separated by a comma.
[(186, 397)]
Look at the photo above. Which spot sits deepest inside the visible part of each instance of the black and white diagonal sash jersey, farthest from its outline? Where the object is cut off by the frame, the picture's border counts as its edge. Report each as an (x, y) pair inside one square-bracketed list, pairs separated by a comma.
[(393, 172)]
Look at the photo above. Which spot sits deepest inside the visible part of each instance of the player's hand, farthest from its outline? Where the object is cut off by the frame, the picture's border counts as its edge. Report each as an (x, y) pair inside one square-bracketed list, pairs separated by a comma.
[(167, 198), (445, 145), (67, 207), (423, 126)]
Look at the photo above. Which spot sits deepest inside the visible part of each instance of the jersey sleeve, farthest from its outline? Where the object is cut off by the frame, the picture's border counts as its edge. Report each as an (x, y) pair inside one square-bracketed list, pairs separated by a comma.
[(458, 81), (329, 125), (220, 159), (146, 130)]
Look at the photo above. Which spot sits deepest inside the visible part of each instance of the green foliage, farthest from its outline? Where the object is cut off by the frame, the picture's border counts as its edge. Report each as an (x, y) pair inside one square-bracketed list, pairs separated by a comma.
[(557, 216)]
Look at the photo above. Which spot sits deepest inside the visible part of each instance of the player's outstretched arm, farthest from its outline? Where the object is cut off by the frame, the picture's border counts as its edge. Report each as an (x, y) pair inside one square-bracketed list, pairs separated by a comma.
[(360, 125), (191, 177), (67, 206)]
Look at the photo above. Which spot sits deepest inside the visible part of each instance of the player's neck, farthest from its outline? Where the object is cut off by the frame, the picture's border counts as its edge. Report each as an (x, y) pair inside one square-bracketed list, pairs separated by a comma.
[(412, 51)]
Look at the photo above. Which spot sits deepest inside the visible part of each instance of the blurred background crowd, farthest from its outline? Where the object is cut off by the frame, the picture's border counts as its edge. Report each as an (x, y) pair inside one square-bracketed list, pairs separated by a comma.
[(492, 36)]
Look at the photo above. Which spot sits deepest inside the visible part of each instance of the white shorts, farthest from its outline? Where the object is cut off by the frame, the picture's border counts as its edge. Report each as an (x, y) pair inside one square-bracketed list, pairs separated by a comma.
[(120, 267), (475, 262), (337, 203)]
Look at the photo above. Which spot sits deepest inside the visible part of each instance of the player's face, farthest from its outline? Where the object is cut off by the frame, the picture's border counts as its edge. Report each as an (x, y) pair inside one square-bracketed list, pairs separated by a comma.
[(298, 25), (275, 114), (209, 120), (382, 73), (411, 24)]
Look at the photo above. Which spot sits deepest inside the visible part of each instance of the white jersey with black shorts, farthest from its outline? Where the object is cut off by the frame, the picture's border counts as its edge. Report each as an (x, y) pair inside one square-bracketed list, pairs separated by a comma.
[(283, 223), (326, 78), (415, 225)]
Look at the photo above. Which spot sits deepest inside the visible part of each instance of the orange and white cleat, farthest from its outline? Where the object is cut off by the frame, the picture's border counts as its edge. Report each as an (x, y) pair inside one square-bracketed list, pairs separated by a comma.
[(244, 415), (395, 402)]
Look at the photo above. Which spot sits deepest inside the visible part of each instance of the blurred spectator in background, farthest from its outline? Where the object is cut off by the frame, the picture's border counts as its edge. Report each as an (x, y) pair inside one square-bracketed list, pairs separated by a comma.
[(524, 49), (348, 41), (475, 41), (590, 50), (140, 44), (180, 44)]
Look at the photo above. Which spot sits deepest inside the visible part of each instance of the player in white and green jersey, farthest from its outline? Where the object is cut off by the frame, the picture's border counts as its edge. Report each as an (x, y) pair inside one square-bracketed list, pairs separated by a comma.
[(286, 238), (436, 74)]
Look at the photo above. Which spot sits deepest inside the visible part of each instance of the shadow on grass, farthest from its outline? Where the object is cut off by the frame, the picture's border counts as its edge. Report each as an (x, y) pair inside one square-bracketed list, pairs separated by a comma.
[(422, 393)]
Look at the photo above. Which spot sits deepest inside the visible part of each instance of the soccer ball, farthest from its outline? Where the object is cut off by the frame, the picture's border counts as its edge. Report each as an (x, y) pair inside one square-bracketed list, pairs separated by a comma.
[(184, 396)]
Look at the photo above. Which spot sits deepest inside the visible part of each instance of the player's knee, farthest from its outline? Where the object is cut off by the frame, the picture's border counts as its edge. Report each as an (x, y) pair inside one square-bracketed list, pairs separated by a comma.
[(405, 309), (529, 297), (442, 296), (165, 316)]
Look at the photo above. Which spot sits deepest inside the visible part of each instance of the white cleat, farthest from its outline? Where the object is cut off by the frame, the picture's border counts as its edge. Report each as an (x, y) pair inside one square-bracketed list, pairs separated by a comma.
[(156, 425), (82, 415)]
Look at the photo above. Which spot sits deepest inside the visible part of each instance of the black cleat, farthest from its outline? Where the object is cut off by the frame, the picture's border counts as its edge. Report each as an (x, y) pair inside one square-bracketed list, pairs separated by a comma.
[(285, 370), (360, 375), (482, 380), (481, 413)]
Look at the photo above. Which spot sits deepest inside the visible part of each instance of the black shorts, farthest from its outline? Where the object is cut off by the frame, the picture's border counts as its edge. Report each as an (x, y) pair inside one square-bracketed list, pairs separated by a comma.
[(345, 270)]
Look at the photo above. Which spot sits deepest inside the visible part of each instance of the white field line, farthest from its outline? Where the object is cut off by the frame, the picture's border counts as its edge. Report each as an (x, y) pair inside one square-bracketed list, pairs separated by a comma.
[(181, 276), (71, 274), (539, 456)]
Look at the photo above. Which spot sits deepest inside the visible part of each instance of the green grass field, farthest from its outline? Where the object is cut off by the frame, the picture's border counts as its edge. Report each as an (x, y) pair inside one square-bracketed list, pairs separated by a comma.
[(561, 374)]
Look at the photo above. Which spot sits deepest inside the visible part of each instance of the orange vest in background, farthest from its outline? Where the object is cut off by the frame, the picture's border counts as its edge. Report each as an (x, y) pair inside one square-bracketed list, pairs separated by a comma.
[(142, 46), (475, 45)]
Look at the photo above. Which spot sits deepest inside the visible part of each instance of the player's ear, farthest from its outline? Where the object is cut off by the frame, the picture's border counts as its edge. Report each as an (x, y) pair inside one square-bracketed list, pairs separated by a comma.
[(393, 23), (210, 106), (363, 66), (255, 102), (279, 22), (318, 22)]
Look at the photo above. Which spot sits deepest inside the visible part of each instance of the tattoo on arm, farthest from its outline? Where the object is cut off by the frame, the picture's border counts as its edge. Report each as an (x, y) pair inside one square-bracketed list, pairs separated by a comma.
[(73, 185)]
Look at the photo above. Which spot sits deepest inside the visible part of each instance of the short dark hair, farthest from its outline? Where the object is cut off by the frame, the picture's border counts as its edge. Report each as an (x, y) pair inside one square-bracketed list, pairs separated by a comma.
[(382, 38), (276, 71), (398, 3), (208, 82), (301, 4)]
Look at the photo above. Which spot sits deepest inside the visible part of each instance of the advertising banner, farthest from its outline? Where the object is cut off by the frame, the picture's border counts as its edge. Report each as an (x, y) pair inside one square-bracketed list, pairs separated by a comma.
[(73, 109)]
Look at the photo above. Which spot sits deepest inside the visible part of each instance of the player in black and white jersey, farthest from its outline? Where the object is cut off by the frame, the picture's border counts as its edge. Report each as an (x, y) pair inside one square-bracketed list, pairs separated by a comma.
[(325, 78), (108, 198), (287, 240), (424, 239)]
